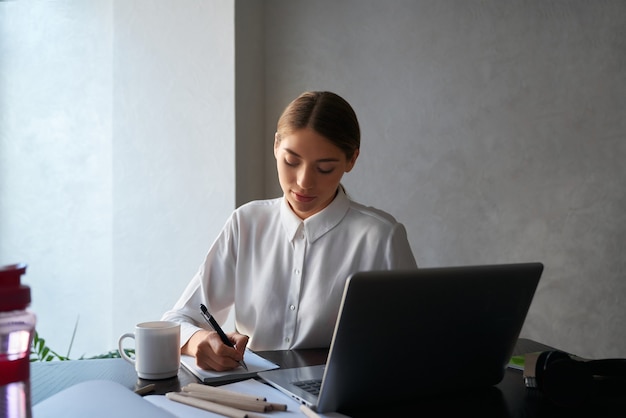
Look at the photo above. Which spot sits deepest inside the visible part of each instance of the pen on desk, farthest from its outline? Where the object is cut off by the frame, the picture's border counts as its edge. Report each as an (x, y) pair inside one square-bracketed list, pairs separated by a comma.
[(227, 411), (216, 327), (198, 387), (231, 398), (145, 390), (308, 411)]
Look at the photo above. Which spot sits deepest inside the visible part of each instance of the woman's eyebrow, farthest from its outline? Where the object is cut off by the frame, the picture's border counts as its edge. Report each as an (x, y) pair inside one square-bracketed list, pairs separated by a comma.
[(321, 160)]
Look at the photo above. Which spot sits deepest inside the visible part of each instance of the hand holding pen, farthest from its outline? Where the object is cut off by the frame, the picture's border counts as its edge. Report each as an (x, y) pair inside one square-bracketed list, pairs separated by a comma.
[(216, 327)]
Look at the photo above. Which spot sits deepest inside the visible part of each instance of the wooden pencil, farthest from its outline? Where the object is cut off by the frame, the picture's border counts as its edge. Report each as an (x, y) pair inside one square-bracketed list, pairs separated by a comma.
[(217, 408)]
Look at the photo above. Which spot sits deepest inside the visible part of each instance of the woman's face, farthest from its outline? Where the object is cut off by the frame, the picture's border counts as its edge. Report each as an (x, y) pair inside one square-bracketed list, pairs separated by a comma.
[(310, 168)]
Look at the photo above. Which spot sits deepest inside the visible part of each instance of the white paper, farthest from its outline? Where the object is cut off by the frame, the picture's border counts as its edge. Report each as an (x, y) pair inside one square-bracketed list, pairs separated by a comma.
[(251, 387), (107, 399), (97, 399)]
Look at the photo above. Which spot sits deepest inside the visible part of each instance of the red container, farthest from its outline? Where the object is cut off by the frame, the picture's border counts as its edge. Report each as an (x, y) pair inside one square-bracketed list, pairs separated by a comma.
[(17, 326)]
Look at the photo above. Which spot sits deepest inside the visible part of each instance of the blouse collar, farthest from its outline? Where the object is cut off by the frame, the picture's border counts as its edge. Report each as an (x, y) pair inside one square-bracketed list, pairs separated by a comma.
[(317, 225)]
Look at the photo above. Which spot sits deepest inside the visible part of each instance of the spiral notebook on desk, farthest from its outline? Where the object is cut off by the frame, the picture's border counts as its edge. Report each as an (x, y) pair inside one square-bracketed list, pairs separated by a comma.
[(254, 362)]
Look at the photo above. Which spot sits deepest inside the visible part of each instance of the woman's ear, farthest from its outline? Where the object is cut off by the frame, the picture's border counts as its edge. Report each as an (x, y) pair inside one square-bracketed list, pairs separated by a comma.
[(352, 161)]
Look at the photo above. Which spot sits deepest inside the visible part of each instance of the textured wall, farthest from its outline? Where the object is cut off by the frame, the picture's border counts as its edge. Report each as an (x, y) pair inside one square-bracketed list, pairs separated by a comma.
[(494, 130), (249, 101)]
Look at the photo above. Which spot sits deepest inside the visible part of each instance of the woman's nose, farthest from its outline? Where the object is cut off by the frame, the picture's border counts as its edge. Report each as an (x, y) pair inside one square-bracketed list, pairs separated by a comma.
[(306, 178)]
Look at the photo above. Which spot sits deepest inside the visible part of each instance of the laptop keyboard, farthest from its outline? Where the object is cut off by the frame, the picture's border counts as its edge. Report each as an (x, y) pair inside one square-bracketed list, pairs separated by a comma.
[(311, 386)]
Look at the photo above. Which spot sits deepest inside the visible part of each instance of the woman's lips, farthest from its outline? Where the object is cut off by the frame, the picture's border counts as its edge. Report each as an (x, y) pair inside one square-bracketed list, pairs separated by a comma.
[(303, 198)]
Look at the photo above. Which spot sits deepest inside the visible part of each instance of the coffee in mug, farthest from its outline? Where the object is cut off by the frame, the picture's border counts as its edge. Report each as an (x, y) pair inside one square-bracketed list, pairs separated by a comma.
[(157, 349)]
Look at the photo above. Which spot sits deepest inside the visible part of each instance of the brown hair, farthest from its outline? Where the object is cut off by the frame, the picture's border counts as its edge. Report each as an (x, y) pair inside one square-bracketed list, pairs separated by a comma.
[(326, 113)]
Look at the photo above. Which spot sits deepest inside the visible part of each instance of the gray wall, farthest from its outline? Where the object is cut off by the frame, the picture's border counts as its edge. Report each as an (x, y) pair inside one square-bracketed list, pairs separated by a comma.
[(495, 131)]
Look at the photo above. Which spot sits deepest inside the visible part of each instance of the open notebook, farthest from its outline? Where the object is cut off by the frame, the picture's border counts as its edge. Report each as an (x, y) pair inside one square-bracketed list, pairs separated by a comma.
[(400, 334), (254, 362), (108, 399)]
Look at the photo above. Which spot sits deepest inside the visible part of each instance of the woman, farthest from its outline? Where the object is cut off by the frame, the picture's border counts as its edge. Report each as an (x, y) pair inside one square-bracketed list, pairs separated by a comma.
[(282, 263)]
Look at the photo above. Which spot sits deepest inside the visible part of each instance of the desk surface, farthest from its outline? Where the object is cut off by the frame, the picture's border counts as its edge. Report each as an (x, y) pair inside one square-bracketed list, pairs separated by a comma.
[(509, 398)]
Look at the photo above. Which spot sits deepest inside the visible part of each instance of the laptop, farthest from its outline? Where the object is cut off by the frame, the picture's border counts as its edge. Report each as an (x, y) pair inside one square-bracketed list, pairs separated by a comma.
[(402, 334)]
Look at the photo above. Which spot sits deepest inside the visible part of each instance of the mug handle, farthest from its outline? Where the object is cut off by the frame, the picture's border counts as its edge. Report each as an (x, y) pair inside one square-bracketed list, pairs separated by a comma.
[(119, 344)]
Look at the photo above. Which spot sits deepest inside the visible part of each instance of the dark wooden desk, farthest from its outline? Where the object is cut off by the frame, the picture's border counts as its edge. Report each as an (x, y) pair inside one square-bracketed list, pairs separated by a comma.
[(510, 398)]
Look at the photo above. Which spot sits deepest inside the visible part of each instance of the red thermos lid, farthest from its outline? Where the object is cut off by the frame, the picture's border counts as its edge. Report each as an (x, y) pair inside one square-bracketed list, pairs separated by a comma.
[(13, 294)]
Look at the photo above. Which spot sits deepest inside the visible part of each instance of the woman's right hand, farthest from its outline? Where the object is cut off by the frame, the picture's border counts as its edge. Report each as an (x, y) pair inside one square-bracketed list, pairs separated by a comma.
[(212, 354)]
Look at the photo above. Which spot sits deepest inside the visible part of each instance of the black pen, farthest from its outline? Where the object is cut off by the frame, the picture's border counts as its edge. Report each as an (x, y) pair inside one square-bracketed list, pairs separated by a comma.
[(216, 327)]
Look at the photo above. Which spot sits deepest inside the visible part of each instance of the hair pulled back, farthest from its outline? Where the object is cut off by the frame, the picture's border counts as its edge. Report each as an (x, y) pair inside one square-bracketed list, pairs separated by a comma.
[(326, 113)]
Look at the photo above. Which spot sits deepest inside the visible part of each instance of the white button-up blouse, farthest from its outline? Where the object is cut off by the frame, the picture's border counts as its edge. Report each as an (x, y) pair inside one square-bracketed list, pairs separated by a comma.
[(285, 276)]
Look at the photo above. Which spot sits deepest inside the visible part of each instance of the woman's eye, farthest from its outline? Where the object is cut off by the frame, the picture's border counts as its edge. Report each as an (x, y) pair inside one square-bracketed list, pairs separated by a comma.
[(296, 163)]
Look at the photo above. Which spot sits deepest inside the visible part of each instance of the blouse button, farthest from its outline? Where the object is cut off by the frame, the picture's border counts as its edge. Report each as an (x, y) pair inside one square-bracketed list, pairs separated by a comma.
[(293, 308), (296, 271)]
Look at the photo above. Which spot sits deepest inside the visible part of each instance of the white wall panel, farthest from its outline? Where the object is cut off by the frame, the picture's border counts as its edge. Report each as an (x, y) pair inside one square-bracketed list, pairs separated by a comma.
[(116, 156)]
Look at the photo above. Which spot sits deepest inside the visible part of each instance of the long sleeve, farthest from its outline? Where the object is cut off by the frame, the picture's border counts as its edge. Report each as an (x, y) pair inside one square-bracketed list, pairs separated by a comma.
[(285, 276), (213, 285)]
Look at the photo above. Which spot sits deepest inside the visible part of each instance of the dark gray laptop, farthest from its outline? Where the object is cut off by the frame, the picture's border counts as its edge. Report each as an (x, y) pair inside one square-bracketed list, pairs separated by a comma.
[(402, 334)]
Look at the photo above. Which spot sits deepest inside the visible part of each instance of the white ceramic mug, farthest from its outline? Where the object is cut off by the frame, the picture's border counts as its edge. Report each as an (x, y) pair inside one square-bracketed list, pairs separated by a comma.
[(157, 349)]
